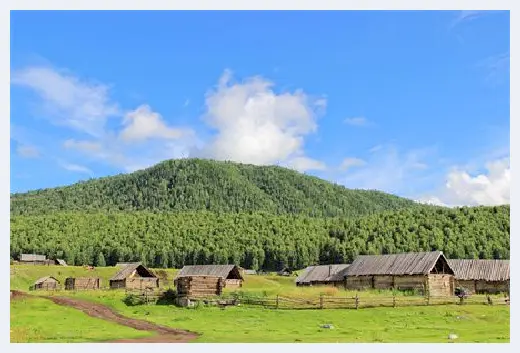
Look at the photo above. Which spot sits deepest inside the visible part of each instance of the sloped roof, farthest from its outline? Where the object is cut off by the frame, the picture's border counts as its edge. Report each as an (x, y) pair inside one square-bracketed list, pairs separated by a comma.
[(322, 273), (487, 270), (208, 270), (127, 270), (61, 262), (395, 264), (43, 279), (32, 257)]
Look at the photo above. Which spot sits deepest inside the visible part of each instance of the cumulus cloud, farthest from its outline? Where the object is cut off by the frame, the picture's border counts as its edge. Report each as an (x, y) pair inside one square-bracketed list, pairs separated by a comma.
[(358, 121), (68, 101), (26, 151), (143, 124), (255, 125), (489, 188)]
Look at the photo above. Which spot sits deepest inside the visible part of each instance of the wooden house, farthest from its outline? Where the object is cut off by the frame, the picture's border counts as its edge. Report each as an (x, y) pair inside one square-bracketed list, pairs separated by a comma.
[(46, 283), (427, 272), (134, 276), (199, 286), (82, 283), (33, 259), (328, 275), (481, 276), (231, 274)]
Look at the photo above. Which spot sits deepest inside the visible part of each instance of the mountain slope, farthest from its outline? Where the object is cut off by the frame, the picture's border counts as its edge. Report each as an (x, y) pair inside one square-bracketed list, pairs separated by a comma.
[(197, 184)]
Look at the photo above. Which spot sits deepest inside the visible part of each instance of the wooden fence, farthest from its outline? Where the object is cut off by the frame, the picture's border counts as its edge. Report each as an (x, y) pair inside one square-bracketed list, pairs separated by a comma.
[(148, 296), (325, 302)]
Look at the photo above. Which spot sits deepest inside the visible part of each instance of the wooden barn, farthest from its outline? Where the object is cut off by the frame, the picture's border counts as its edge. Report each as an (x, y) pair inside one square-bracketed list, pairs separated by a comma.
[(427, 272), (134, 276), (46, 283), (328, 275), (481, 276), (199, 286), (82, 283), (33, 259), (231, 274)]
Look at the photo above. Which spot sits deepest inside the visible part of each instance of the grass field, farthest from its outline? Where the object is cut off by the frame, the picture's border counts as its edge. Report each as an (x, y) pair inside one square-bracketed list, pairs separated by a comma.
[(40, 320), (471, 323)]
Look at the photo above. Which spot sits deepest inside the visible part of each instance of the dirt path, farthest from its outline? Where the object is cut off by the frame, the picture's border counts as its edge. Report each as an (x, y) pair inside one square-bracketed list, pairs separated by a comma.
[(164, 334)]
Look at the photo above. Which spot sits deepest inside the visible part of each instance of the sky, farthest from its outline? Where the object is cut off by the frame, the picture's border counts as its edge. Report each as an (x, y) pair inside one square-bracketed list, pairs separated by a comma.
[(414, 103)]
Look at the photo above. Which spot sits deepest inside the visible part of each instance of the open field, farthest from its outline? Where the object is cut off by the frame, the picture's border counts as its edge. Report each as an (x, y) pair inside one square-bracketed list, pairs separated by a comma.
[(40, 320), (471, 323)]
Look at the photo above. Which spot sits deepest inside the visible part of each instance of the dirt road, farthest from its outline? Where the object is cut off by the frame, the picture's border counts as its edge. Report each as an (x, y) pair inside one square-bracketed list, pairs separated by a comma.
[(164, 334)]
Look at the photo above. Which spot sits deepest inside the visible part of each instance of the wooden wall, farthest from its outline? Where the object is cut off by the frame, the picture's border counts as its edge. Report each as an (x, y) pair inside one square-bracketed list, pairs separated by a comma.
[(118, 283), (199, 286), (142, 282), (82, 283), (441, 285), (481, 286), (47, 285), (360, 282)]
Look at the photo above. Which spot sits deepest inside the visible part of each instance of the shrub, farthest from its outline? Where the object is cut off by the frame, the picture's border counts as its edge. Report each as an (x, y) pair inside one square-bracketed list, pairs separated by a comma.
[(133, 300), (168, 297)]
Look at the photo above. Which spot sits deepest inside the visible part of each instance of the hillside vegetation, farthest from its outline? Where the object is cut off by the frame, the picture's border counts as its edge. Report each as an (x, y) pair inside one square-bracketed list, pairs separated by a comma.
[(259, 240), (206, 185)]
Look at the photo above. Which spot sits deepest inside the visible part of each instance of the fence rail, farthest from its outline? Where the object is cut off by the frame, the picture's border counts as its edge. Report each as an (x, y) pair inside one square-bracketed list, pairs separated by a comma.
[(324, 302)]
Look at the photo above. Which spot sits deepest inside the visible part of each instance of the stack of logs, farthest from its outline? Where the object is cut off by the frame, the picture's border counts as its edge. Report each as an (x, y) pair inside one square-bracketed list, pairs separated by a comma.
[(199, 286)]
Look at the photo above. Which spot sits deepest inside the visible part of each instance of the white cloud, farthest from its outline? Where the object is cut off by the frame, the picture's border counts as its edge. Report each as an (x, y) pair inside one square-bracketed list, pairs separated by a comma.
[(256, 125), (390, 170), (358, 121), (87, 146), (143, 124), (26, 151), (351, 162), (80, 105), (490, 188), (302, 164), (76, 168)]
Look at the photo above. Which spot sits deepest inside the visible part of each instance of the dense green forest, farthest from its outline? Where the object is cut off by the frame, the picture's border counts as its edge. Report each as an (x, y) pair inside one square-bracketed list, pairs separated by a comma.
[(205, 185), (259, 239)]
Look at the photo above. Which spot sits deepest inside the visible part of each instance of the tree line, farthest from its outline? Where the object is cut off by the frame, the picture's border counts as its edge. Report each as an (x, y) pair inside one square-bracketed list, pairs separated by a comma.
[(258, 240)]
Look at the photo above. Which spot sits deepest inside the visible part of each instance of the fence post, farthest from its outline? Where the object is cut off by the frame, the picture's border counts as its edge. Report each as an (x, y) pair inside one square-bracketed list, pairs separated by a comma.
[(461, 300), (394, 301), (428, 299), (321, 301), (357, 301), (277, 301), (489, 300)]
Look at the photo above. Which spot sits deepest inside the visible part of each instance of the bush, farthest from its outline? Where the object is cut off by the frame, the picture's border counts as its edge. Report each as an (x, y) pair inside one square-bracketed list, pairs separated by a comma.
[(168, 297), (133, 300)]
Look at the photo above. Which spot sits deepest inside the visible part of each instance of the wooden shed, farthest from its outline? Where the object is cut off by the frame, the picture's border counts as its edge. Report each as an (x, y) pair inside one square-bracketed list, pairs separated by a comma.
[(481, 276), (328, 275), (231, 274), (199, 286), (61, 262), (427, 272), (46, 283), (33, 259), (134, 276), (82, 283)]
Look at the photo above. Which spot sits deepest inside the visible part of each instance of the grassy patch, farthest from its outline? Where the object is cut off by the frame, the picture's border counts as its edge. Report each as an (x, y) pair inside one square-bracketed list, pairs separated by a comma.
[(40, 320)]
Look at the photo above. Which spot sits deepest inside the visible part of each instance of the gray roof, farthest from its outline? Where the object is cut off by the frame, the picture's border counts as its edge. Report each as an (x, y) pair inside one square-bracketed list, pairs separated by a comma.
[(250, 272), (395, 264), (488, 270), (208, 270), (43, 279), (32, 257), (61, 262), (119, 264), (322, 273), (127, 270)]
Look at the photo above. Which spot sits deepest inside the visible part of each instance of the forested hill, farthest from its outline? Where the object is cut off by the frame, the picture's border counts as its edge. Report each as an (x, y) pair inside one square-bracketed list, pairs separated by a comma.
[(198, 184), (259, 240)]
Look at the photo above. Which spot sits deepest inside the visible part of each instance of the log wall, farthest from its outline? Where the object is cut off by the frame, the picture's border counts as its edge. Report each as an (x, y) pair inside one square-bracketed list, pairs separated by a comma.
[(82, 283), (441, 285), (199, 286), (142, 282), (360, 282), (233, 283)]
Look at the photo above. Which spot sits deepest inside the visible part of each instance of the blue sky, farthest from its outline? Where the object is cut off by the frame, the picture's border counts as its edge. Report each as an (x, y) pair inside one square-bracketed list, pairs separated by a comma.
[(413, 103)]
